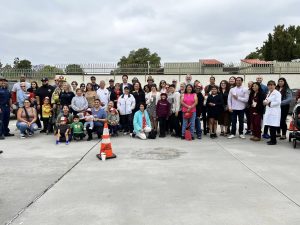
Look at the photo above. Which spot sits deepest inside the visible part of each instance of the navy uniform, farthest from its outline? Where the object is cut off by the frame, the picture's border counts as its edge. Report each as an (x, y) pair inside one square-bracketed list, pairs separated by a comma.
[(5, 100)]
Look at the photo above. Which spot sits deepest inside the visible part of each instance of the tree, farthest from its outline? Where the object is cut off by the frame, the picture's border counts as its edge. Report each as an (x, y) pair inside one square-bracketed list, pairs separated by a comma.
[(74, 69), (282, 45), (49, 71), (24, 64), (137, 62)]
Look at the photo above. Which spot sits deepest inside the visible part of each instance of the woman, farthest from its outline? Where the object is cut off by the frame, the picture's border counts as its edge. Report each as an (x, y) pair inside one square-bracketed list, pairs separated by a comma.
[(74, 85), (162, 86), (151, 100), (215, 107), (232, 81), (79, 103), (82, 87), (32, 90), (141, 122), (273, 111), (139, 96), (90, 95), (247, 110), (34, 86), (256, 110), (65, 113), (26, 118), (146, 89), (286, 98), (224, 118), (66, 95), (115, 94), (189, 101)]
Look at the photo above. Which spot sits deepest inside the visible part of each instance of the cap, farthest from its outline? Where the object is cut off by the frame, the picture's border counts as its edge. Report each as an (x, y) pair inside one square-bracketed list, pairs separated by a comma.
[(113, 110), (2, 78), (88, 110), (135, 78), (61, 78), (44, 79), (174, 80), (150, 78), (126, 87), (63, 118), (93, 77), (111, 80)]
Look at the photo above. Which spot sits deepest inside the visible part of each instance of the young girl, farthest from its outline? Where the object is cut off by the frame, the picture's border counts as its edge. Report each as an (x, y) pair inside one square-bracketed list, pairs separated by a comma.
[(46, 115), (63, 131), (89, 119), (215, 107), (163, 112), (113, 121)]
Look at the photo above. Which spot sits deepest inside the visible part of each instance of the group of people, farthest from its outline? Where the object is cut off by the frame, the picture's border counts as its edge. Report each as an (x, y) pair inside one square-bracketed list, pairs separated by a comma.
[(73, 111)]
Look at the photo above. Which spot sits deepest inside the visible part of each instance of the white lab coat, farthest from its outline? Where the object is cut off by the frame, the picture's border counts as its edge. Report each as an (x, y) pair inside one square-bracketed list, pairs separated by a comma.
[(273, 112)]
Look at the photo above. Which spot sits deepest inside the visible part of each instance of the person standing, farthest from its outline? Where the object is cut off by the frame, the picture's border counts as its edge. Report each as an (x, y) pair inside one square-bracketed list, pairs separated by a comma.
[(5, 108), (17, 88), (103, 94), (212, 83), (273, 111), (125, 84), (286, 98), (247, 110), (199, 110), (163, 112), (126, 104), (224, 118), (139, 96), (42, 92), (237, 99), (115, 94), (151, 100), (111, 86), (95, 86), (90, 95), (174, 99), (256, 110)]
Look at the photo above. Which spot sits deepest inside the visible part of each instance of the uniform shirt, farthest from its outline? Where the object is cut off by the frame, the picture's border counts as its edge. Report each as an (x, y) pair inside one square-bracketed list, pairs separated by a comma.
[(4, 97), (45, 91)]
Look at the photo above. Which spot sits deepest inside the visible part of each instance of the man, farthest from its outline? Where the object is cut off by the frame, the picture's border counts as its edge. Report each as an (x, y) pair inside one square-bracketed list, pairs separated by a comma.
[(212, 83), (5, 108), (174, 82), (103, 94), (111, 86), (174, 99), (134, 80), (45, 90), (125, 84), (99, 120), (150, 82), (16, 88), (94, 84), (188, 79), (264, 88), (237, 101)]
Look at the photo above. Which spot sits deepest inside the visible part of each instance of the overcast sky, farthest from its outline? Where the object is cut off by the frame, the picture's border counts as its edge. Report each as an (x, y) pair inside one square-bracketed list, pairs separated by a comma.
[(92, 31)]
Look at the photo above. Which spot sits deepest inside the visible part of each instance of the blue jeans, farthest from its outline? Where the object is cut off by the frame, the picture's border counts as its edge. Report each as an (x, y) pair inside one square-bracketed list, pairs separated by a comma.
[(198, 126), (240, 115), (23, 127), (185, 123)]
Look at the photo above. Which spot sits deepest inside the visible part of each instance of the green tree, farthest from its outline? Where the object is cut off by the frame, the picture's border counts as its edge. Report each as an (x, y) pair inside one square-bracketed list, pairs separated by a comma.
[(49, 71), (282, 45), (74, 69), (137, 62), (24, 64)]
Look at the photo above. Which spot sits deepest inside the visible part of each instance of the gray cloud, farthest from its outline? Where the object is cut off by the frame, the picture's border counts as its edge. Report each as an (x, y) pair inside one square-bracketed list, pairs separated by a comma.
[(52, 32)]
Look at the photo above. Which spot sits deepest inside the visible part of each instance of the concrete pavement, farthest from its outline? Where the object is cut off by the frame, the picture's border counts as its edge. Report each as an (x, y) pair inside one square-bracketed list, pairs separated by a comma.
[(163, 181)]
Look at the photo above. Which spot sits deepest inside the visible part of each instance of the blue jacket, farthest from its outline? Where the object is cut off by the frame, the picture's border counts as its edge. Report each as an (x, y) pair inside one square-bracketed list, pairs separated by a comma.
[(138, 120)]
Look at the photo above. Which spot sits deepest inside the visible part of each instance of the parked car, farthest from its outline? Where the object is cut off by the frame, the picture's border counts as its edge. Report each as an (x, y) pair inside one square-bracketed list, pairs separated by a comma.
[(293, 103)]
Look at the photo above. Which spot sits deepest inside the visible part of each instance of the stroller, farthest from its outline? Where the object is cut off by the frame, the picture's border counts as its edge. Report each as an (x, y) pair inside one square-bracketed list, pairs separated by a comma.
[(295, 126)]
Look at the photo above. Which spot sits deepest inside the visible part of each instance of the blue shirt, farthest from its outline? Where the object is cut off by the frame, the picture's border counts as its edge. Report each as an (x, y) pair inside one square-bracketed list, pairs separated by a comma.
[(100, 114), (4, 97)]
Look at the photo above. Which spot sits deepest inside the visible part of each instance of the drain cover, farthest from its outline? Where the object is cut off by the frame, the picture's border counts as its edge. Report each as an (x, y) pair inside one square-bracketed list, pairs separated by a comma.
[(157, 153)]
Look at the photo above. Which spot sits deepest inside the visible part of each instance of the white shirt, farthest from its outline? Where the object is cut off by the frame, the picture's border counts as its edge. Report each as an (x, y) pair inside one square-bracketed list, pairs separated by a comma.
[(242, 98), (103, 95)]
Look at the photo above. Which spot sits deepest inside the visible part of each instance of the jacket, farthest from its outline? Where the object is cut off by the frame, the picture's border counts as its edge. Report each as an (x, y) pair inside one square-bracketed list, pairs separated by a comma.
[(174, 99), (113, 119), (163, 108), (138, 121), (126, 103), (79, 103), (149, 96), (273, 111)]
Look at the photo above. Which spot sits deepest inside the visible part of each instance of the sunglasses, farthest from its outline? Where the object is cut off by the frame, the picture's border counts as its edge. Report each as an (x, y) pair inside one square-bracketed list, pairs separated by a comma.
[(22, 86)]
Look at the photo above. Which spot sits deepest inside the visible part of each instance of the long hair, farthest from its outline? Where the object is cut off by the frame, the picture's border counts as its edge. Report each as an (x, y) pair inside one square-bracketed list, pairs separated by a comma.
[(227, 89), (189, 85), (140, 87), (284, 88)]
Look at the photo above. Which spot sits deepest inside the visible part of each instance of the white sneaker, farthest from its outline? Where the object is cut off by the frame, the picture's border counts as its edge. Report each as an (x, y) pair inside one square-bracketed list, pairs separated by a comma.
[(242, 136), (22, 136), (231, 136), (125, 133)]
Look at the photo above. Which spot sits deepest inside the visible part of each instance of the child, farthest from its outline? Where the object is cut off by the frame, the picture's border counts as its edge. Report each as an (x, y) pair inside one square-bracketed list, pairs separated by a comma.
[(163, 112), (113, 121), (77, 128), (63, 131), (46, 115), (89, 119)]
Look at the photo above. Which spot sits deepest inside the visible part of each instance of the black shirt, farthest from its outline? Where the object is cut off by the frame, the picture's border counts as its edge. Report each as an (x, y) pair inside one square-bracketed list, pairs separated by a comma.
[(45, 91), (65, 98)]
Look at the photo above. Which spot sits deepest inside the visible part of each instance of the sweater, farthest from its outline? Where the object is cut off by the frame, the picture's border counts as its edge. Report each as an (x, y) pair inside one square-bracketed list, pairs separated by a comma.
[(163, 108), (79, 103)]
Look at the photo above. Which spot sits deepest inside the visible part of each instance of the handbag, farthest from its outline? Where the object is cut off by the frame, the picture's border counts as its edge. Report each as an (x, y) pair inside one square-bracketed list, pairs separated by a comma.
[(187, 134), (187, 115)]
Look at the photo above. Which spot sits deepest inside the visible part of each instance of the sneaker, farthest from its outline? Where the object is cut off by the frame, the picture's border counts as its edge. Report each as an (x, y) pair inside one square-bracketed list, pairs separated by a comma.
[(91, 128), (283, 137), (248, 132), (67, 142), (30, 134), (199, 137), (125, 133), (2, 137), (242, 136), (43, 131), (57, 142), (231, 136), (22, 136), (266, 136)]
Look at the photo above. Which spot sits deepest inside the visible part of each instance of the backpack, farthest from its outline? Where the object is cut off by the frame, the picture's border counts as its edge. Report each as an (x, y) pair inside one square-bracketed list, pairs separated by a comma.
[(152, 134)]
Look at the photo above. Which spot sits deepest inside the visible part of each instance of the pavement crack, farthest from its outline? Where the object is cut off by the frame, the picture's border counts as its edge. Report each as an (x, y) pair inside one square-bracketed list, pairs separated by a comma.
[(50, 186), (259, 176)]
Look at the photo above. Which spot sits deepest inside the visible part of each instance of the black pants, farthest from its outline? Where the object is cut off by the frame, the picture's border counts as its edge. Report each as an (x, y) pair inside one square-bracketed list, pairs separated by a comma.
[(174, 124), (80, 136), (284, 114), (247, 113), (162, 126), (204, 120), (97, 129), (127, 123), (240, 115), (266, 129), (273, 134)]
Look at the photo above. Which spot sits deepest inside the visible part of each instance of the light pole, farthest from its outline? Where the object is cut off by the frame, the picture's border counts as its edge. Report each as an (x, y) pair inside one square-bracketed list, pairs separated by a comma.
[(148, 66)]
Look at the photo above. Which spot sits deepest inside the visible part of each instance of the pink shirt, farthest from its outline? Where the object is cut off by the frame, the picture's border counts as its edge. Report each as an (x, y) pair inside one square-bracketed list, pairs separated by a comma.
[(189, 99)]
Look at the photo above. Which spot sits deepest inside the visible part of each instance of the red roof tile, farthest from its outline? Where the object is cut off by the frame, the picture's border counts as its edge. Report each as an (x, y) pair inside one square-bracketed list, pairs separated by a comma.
[(210, 62), (255, 61)]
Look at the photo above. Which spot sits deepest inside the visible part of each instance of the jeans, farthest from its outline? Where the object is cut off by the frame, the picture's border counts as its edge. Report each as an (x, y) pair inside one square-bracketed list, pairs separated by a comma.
[(127, 122), (198, 126), (185, 123), (23, 127), (240, 115)]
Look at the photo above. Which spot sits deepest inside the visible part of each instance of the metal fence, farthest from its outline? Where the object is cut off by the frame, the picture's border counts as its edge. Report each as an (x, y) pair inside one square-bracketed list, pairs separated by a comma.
[(151, 69)]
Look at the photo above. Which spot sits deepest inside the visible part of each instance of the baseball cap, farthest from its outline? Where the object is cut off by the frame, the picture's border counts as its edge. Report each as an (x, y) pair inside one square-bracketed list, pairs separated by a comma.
[(2, 78), (44, 79), (111, 80), (63, 118)]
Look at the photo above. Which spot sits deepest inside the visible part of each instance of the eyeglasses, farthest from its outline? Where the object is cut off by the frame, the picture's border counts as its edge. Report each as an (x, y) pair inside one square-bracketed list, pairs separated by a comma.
[(26, 102), (22, 86)]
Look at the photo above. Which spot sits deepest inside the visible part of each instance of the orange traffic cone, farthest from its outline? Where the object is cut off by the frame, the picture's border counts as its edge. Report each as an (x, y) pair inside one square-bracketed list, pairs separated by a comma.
[(106, 145)]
